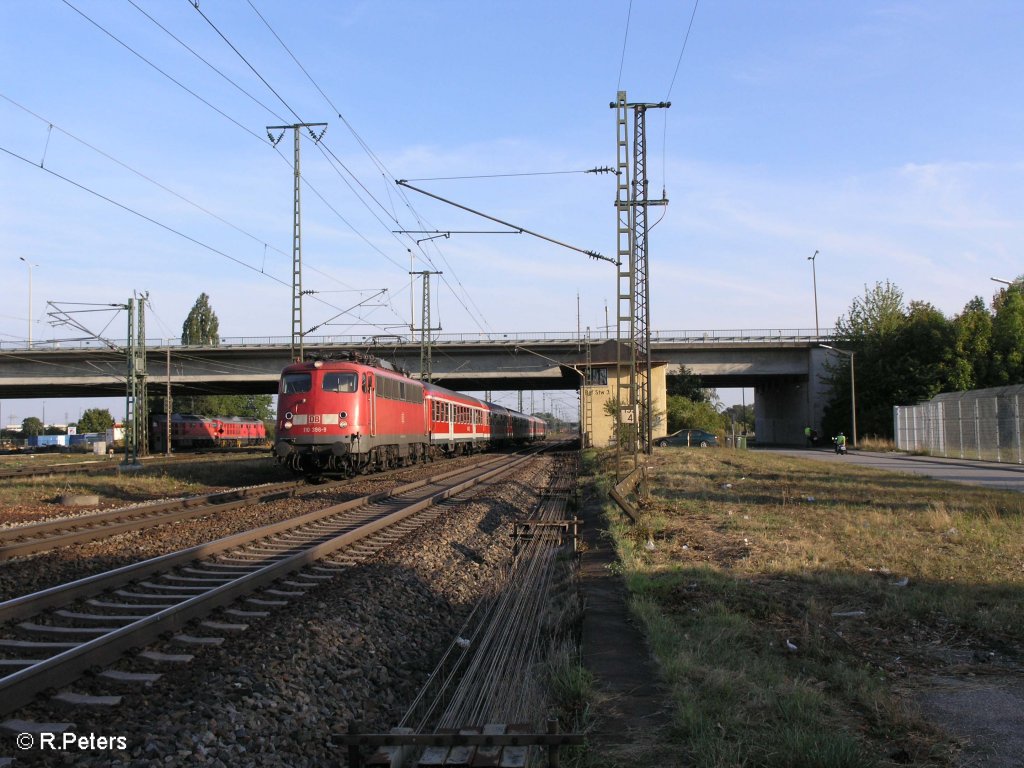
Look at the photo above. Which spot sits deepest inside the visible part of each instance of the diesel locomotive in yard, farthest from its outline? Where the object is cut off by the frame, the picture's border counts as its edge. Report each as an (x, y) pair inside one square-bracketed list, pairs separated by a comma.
[(192, 431), (357, 414)]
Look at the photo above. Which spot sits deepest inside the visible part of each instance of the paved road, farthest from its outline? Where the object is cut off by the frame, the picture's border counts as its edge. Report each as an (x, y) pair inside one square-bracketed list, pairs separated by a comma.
[(984, 473)]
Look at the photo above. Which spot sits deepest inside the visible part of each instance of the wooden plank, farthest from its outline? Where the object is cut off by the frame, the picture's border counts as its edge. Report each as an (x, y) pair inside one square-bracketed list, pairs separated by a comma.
[(489, 757)]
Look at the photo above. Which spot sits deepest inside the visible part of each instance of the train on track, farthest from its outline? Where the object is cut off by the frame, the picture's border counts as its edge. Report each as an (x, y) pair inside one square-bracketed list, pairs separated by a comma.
[(191, 431), (357, 414)]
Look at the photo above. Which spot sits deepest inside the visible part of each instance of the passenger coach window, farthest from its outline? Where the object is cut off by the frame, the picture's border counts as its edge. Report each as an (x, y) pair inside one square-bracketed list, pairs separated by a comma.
[(293, 383), (340, 382)]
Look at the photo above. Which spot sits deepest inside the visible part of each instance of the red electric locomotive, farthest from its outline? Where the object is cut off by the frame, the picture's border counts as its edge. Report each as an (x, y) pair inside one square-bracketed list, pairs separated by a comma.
[(358, 414)]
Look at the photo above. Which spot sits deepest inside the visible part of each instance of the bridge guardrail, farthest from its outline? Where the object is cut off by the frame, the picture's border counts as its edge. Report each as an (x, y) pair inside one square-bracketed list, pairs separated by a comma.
[(711, 336)]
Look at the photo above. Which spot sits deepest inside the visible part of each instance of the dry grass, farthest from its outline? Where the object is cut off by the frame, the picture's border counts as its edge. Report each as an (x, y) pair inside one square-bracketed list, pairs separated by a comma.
[(23, 500), (788, 600), (875, 443)]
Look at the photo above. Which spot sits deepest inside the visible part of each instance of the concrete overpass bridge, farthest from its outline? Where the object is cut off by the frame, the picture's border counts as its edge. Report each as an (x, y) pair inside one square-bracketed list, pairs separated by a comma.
[(782, 366)]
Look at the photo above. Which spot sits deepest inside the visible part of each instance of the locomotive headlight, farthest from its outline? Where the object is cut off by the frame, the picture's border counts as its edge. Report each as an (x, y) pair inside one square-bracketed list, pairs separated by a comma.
[(287, 425), (318, 364), (343, 415)]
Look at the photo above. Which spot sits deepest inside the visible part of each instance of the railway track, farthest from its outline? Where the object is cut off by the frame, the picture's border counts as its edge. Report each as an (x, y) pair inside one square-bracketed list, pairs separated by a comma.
[(78, 468), (52, 637), (32, 538), (112, 463), (40, 537)]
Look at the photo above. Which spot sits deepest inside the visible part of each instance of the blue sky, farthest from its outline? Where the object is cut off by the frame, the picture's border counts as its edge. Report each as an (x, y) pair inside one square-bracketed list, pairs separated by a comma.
[(885, 135)]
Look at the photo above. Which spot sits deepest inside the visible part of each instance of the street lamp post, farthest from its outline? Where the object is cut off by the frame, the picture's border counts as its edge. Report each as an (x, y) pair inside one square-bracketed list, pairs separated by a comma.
[(1000, 280), (853, 387), (814, 277), (29, 264)]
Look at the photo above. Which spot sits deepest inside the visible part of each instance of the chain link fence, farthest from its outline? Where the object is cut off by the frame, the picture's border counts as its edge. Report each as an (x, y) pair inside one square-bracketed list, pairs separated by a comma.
[(984, 424)]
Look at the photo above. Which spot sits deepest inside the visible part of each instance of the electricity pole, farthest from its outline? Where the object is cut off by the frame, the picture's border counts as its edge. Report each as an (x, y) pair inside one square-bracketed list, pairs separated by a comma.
[(425, 329), (136, 416), (141, 426), (29, 264), (634, 414), (297, 334)]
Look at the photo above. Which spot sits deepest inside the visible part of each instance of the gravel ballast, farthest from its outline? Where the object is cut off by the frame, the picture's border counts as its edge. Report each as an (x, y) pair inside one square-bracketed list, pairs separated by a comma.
[(356, 648)]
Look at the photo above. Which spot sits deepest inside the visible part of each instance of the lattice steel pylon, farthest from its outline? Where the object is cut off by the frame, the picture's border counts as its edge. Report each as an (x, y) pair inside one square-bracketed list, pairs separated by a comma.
[(634, 423)]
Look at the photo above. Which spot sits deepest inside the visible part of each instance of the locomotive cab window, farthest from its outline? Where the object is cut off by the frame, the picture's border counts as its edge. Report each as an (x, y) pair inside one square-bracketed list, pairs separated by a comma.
[(294, 383), (340, 382)]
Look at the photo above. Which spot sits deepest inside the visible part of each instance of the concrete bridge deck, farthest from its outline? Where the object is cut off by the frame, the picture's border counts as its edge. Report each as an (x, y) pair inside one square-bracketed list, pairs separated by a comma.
[(783, 367)]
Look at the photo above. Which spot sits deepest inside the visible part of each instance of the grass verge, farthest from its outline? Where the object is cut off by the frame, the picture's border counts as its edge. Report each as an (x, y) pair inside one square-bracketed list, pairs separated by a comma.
[(791, 604)]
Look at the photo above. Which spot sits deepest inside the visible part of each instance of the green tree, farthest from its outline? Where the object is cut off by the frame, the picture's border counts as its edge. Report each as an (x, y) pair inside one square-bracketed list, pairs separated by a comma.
[(201, 327), (904, 354), (253, 406), (742, 416), (611, 408), (687, 384), (927, 340), (1008, 336), (31, 427), (684, 413), (876, 315), (95, 420), (972, 347), (873, 329)]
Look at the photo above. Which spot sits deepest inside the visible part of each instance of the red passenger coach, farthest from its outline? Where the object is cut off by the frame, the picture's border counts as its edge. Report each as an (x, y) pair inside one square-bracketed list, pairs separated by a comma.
[(458, 423), (359, 414)]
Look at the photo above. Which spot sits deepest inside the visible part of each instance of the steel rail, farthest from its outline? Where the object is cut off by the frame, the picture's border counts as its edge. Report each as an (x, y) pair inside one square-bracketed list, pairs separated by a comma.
[(96, 466), (20, 687), (33, 538), (487, 674), (28, 605), (50, 534), (59, 469)]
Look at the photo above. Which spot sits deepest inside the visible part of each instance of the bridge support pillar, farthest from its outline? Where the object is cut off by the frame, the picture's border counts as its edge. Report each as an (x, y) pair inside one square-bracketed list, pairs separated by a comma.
[(781, 411)]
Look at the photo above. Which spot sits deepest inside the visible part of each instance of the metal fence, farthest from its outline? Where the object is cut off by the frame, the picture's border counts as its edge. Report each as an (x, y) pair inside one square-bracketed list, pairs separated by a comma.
[(984, 424)]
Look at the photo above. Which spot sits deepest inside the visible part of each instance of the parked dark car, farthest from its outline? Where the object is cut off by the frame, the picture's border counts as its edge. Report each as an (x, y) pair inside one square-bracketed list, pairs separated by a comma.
[(685, 437)]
